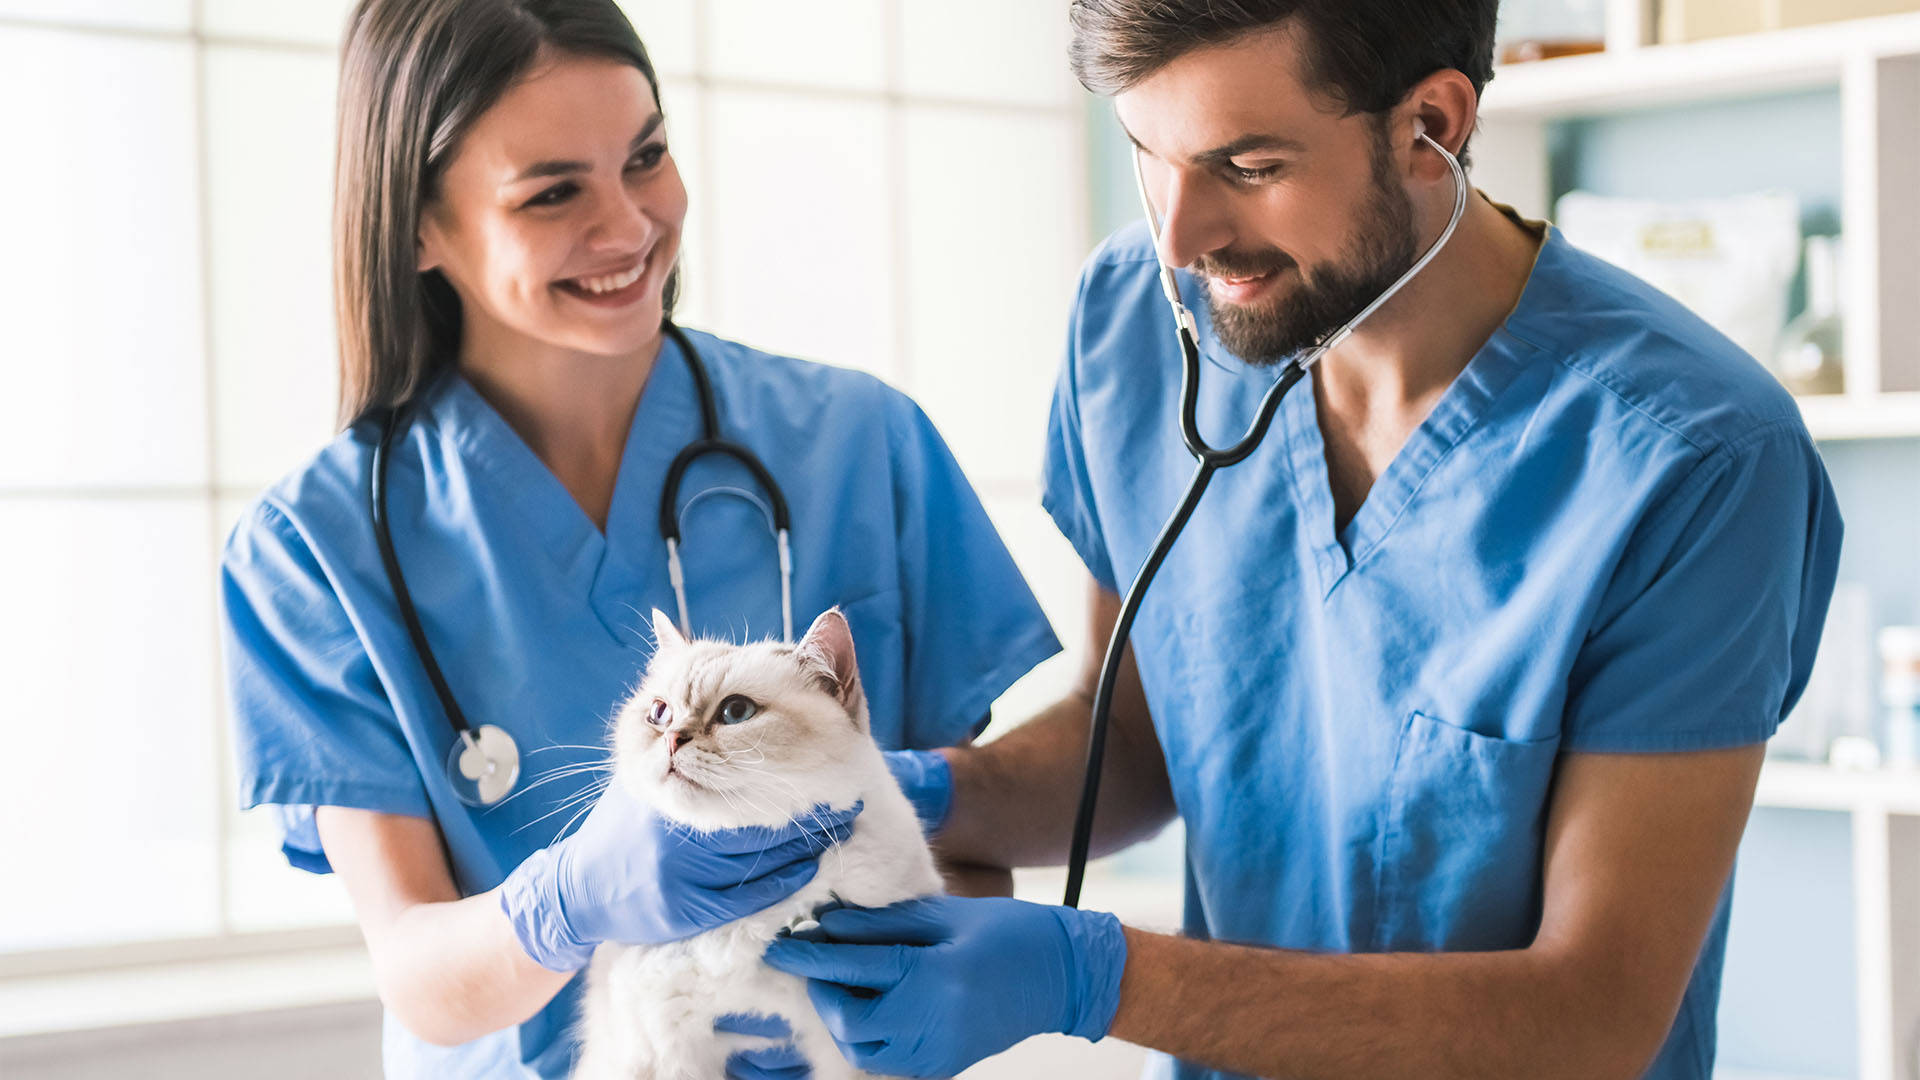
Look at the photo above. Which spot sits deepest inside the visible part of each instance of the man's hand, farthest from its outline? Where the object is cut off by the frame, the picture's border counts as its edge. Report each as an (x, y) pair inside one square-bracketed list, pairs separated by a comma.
[(928, 987), (781, 1061)]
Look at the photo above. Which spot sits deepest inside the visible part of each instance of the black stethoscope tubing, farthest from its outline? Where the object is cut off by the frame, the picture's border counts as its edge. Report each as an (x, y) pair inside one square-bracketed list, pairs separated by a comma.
[(1209, 460)]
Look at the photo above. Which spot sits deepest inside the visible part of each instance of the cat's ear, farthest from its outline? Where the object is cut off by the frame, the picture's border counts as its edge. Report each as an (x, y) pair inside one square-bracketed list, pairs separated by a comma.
[(827, 651), (665, 634)]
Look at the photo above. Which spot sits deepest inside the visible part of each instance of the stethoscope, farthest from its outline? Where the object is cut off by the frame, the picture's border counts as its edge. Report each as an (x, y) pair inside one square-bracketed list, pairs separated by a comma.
[(483, 765), (1209, 460)]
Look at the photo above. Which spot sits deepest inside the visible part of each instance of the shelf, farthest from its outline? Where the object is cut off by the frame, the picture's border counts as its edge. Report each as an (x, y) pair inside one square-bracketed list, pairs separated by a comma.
[(1840, 417), (1653, 75), (1794, 785)]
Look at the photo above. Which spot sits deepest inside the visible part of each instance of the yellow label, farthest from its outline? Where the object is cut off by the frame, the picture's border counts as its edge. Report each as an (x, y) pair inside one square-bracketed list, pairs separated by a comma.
[(1677, 239)]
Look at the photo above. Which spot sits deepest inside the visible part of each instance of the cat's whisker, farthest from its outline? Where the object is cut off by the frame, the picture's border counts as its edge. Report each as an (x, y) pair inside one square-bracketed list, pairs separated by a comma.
[(586, 795), (576, 817), (562, 773)]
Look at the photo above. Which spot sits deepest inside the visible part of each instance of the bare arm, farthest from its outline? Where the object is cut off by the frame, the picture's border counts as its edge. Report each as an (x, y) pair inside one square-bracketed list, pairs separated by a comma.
[(1638, 850), (450, 969), (1014, 798)]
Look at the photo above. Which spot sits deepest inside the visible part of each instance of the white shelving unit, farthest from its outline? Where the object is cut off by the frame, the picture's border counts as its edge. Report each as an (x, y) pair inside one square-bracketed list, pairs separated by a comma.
[(1875, 64), (1884, 805)]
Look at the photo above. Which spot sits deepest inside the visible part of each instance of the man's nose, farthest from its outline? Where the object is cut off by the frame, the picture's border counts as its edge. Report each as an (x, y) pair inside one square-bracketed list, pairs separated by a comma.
[(1193, 219)]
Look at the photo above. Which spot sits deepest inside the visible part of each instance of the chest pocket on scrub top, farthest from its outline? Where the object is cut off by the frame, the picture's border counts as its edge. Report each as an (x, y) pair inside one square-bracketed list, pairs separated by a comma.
[(1460, 843)]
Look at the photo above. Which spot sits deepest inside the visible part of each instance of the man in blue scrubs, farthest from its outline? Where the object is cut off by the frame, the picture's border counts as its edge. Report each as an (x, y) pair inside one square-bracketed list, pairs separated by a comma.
[(1459, 684)]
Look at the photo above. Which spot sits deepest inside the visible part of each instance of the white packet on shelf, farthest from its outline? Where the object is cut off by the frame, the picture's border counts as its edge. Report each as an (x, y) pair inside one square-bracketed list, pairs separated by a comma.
[(1730, 260)]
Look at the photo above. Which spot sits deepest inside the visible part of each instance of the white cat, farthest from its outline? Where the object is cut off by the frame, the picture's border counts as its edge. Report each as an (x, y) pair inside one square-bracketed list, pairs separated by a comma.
[(648, 1011)]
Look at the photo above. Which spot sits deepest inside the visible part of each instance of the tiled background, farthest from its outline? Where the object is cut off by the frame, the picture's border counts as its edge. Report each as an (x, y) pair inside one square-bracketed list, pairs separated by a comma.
[(892, 185)]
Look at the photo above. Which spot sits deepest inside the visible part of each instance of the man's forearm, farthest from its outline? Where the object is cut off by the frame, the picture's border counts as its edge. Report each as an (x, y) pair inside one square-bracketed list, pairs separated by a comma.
[(1015, 797), (1268, 1012)]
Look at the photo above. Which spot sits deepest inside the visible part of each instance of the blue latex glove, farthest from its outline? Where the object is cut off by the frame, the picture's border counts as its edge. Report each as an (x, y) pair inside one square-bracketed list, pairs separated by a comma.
[(628, 876), (927, 780), (928, 987), (783, 1062)]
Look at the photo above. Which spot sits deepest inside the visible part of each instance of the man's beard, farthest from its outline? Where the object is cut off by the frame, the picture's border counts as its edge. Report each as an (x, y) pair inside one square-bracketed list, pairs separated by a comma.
[(1326, 298)]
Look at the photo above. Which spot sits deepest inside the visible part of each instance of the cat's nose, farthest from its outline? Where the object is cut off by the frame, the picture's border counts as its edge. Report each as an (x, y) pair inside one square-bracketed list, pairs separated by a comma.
[(678, 739)]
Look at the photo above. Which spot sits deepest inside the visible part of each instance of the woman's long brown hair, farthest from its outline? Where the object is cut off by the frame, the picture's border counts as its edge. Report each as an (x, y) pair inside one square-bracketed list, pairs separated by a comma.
[(414, 75)]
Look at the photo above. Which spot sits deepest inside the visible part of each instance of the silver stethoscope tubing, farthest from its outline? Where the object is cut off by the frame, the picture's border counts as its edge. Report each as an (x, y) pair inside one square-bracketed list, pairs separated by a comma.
[(1208, 460), (483, 763)]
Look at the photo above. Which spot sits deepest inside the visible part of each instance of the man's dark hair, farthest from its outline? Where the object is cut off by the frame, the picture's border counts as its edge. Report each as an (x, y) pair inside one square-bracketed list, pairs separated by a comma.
[(1364, 54)]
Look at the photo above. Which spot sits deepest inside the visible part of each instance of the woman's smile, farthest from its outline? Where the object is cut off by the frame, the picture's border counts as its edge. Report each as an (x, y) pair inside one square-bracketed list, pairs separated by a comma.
[(616, 289)]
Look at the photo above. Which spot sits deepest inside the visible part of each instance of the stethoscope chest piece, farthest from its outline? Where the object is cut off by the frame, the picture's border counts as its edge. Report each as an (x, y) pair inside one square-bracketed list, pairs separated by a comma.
[(483, 766)]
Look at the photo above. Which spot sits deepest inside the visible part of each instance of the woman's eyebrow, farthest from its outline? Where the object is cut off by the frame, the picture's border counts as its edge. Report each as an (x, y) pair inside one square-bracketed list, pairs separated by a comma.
[(567, 168)]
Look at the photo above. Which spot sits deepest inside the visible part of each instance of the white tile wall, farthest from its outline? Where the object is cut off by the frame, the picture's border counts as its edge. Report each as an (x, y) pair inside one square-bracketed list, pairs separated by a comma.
[(686, 107), (105, 385), (828, 43), (318, 22), (995, 233), (270, 184), (115, 14), (988, 50), (1058, 580), (802, 231), (106, 710), (666, 27)]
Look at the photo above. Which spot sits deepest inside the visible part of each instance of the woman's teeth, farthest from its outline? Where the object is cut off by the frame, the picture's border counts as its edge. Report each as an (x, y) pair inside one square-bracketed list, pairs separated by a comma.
[(612, 282)]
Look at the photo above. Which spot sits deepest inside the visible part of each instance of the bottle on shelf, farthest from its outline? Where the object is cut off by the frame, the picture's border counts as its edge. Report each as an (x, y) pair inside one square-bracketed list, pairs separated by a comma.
[(1900, 693), (1809, 360), (1546, 29)]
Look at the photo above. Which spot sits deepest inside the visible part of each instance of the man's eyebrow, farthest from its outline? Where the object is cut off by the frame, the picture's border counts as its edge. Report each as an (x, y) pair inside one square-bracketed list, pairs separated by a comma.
[(1245, 144), (567, 168)]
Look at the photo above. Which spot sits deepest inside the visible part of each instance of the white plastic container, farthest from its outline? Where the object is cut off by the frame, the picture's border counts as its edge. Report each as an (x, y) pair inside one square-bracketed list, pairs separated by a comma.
[(1900, 694)]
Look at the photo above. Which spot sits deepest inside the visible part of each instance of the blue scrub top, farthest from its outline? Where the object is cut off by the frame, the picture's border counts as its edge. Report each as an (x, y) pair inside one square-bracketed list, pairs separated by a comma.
[(1612, 534), (540, 621)]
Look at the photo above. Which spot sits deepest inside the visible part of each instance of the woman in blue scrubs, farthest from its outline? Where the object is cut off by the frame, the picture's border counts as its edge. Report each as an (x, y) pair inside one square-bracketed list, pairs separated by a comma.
[(508, 221)]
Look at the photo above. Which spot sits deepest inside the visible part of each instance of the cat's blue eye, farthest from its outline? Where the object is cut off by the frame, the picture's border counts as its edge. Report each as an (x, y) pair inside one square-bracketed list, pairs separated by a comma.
[(659, 715), (736, 709)]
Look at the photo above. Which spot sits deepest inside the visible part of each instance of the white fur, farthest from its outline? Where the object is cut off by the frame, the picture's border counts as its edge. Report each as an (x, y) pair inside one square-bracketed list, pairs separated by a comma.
[(648, 1011)]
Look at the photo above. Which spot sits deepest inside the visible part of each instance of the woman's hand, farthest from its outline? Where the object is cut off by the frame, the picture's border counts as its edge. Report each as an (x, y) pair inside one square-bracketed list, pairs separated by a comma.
[(629, 876)]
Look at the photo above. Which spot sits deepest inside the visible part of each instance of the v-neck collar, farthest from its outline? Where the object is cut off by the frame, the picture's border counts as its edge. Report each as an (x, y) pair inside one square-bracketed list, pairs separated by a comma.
[(601, 567), (1337, 552), (1458, 411)]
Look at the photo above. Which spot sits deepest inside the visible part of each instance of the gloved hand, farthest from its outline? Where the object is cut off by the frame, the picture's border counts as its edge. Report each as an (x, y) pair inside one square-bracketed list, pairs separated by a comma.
[(927, 780), (928, 987), (783, 1062), (629, 876)]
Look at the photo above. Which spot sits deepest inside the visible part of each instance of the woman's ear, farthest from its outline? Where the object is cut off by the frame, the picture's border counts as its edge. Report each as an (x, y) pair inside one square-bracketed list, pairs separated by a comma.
[(428, 241), (426, 252)]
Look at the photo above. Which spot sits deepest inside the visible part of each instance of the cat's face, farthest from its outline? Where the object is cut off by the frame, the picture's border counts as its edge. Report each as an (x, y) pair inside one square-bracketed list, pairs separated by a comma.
[(719, 736)]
